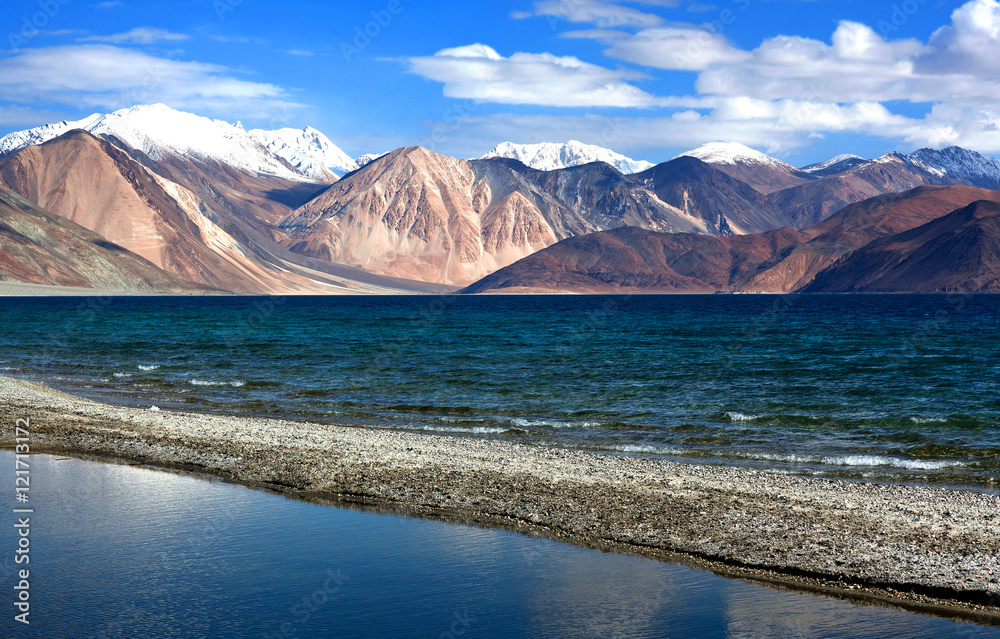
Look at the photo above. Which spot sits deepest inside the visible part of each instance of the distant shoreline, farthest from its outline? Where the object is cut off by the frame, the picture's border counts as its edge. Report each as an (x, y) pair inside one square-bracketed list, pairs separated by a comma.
[(24, 289), (920, 548)]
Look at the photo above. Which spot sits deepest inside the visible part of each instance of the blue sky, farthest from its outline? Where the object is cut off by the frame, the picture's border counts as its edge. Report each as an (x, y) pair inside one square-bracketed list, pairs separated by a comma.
[(803, 80)]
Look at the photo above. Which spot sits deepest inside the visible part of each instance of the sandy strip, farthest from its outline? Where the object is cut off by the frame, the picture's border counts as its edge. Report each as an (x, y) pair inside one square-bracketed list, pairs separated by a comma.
[(22, 289), (928, 548)]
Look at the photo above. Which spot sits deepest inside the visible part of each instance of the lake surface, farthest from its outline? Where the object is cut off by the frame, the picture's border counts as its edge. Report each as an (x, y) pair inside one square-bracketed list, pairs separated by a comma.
[(120, 551), (889, 388)]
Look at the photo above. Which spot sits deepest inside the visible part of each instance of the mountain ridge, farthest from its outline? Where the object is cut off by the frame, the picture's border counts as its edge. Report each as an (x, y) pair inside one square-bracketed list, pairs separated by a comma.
[(551, 156)]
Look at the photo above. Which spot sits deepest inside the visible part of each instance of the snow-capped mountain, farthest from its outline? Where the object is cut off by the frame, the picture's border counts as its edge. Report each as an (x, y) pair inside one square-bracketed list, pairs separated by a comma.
[(730, 153), (956, 163), (308, 150), (159, 132), (549, 156), (39, 135), (953, 165), (761, 171), (367, 158), (834, 164)]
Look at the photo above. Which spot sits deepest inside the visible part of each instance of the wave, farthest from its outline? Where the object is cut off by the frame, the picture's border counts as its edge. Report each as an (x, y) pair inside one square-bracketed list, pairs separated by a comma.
[(655, 450), (928, 420), (520, 422), (857, 460), (894, 462), (477, 430), (151, 367), (201, 382), (742, 417)]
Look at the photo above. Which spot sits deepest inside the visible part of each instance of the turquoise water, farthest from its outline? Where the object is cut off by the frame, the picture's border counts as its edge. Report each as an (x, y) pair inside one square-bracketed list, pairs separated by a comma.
[(888, 388), (125, 552)]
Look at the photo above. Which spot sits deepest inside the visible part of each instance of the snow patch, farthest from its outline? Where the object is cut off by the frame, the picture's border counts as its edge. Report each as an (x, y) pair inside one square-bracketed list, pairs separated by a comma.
[(550, 156), (822, 166), (308, 150), (731, 153)]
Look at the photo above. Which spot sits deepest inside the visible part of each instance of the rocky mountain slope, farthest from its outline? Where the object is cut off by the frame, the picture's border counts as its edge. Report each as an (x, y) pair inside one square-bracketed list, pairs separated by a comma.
[(724, 204), (630, 259), (778, 261), (760, 171), (959, 252), (420, 215), (39, 247), (852, 228), (204, 225)]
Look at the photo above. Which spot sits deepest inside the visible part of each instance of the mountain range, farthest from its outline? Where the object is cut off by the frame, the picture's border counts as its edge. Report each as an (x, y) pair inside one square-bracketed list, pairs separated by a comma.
[(207, 205), (929, 240), (550, 156)]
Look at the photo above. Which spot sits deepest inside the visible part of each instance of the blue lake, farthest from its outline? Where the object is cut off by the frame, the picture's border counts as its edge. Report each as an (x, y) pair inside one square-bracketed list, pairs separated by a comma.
[(122, 551), (885, 388)]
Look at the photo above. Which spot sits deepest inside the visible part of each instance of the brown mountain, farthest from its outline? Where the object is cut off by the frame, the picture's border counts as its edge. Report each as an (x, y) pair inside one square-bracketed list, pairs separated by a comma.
[(813, 202), (778, 261), (724, 203), (959, 252), (39, 247), (763, 173), (416, 214), (420, 215), (630, 259), (795, 266), (590, 197), (207, 227)]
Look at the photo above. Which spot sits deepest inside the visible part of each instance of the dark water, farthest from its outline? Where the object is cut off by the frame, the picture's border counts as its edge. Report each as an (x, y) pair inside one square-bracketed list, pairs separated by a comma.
[(124, 552), (898, 388)]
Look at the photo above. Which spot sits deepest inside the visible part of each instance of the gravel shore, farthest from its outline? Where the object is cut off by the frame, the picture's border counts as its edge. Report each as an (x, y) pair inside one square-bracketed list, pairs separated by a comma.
[(932, 549)]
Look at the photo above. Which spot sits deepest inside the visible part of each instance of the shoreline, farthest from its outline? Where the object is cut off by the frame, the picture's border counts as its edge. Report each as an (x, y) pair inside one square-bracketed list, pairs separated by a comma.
[(926, 549)]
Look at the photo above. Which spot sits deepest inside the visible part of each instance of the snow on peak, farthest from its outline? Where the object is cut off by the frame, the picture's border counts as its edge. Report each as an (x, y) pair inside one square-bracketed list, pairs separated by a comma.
[(308, 150), (958, 163), (730, 153), (832, 162), (367, 158), (549, 156), (161, 132), (39, 135)]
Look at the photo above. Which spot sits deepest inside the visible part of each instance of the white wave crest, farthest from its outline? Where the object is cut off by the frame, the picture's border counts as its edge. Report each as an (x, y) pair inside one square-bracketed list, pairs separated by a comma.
[(201, 382), (742, 417), (477, 430), (643, 448)]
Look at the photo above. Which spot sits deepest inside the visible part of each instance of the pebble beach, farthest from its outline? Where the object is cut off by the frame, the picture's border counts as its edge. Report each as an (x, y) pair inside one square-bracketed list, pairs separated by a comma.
[(932, 549)]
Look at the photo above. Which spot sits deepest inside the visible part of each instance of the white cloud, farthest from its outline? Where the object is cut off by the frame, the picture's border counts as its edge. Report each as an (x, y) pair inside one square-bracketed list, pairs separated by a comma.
[(676, 47), (599, 12), (139, 35), (19, 116), (108, 77), (779, 96), (478, 72), (774, 126), (969, 44)]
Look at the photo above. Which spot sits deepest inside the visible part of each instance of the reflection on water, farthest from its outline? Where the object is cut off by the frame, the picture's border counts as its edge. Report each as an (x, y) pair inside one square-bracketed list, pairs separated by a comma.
[(120, 551)]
